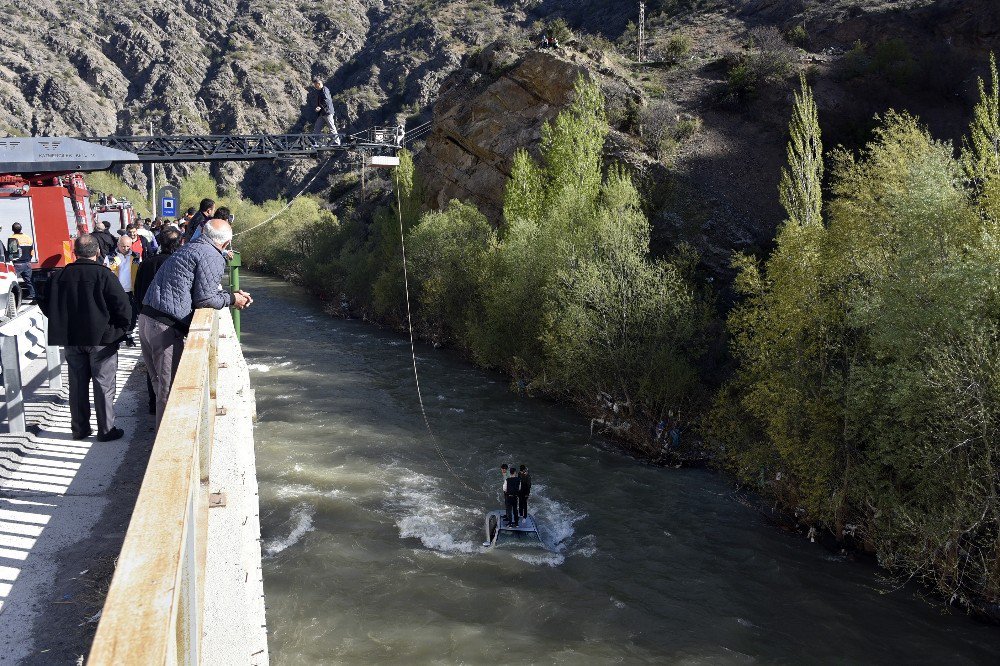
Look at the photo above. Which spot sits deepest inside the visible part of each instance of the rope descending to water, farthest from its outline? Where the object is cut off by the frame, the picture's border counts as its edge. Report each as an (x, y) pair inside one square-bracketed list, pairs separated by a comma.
[(413, 350), (290, 201)]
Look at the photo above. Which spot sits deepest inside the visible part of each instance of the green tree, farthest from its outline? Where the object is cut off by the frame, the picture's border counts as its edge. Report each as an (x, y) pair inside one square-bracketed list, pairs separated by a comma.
[(802, 180), (785, 339), (448, 252), (981, 151)]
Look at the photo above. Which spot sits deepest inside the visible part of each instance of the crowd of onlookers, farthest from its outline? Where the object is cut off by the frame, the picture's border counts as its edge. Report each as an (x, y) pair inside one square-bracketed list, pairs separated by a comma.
[(152, 276)]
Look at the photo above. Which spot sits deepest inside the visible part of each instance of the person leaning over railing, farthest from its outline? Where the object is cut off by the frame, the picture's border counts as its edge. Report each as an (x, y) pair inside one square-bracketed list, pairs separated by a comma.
[(88, 313), (191, 278)]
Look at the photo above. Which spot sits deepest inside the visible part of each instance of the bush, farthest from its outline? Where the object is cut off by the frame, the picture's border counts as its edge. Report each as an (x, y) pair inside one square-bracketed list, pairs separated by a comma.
[(742, 80), (666, 131), (678, 46), (798, 36)]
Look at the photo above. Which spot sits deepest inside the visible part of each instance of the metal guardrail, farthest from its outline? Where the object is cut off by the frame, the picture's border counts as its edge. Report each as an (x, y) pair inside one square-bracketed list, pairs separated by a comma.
[(154, 610), (10, 359)]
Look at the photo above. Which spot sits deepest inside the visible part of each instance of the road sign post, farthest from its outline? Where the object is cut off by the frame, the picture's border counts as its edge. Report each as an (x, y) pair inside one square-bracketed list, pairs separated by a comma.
[(168, 201)]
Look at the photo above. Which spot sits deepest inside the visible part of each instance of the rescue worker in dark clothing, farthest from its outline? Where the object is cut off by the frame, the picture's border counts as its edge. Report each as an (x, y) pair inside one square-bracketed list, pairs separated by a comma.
[(322, 104), (22, 258), (170, 240), (523, 492), (88, 313), (511, 488), (205, 212)]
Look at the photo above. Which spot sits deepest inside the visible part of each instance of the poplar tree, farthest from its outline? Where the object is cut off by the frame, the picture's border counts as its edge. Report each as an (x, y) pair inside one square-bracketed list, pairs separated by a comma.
[(802, 180), (981, 150), (523, 197)]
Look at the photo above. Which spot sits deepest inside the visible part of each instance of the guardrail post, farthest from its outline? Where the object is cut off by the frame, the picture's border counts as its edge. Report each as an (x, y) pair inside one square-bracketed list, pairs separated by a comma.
[(53, 359), (13, 391), (234, 284)]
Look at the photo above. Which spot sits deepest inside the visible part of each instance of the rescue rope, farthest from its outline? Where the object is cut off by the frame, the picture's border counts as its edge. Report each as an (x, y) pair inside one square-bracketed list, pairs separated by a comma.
[(290, 201), (413, 349)]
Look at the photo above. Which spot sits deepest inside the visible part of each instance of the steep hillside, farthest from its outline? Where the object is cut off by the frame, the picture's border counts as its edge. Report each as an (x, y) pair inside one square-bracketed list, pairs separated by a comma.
[(708, 160)]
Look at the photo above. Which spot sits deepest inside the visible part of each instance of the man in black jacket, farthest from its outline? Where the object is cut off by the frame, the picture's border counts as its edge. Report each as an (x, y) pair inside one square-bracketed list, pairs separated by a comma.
[(89, 313), (511, 488), (105, 240), (523, 492), (205, 211), (322, 104)]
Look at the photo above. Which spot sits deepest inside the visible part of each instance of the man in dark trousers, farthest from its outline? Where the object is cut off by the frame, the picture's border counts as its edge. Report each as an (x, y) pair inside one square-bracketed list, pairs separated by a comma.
[(89, 314), (189, 279), (523, 492), (322, 105), (511, 487), (170, 241), (25, 245)]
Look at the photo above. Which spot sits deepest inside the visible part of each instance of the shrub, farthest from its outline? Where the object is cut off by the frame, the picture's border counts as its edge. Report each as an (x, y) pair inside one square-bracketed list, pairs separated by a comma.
[(767, 60), (798, 36), (678, 46)]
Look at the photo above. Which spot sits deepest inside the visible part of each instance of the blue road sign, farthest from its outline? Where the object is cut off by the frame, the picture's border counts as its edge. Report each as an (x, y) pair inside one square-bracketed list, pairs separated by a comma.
[(168, 200)]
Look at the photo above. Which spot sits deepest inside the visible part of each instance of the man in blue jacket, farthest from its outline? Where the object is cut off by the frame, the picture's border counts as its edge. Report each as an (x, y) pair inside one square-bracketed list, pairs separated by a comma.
[(189, 279)]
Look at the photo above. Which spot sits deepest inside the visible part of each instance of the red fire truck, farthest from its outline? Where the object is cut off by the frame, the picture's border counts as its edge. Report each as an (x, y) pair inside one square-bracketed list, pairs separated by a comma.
[(53, 210)]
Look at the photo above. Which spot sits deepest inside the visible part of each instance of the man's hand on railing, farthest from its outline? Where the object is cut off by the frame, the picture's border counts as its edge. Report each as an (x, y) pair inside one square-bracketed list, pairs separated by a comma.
[(241, 300)]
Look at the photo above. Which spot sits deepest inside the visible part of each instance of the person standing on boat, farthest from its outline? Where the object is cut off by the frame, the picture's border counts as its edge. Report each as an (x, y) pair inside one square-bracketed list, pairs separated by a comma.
[(511, 488), (523, 492)]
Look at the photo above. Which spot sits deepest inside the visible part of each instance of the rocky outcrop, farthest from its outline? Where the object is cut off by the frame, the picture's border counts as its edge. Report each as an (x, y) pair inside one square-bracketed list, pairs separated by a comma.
[(483, 115)]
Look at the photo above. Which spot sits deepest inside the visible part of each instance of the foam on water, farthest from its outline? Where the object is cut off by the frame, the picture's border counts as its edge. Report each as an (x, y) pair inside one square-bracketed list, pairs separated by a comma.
[(301, 490), (259, 367), (301, 521), (420, 513), (556, 523)]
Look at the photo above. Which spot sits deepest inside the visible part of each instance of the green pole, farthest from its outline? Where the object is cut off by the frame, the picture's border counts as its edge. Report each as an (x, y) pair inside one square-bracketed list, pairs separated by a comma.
[(234, 286)]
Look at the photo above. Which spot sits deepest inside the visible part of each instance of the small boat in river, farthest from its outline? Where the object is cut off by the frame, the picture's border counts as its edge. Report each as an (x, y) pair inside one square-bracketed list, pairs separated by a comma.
[(524, 533)]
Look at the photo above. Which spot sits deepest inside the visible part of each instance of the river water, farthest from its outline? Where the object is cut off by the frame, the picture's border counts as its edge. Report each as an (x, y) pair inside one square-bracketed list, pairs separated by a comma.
[(373, 549)]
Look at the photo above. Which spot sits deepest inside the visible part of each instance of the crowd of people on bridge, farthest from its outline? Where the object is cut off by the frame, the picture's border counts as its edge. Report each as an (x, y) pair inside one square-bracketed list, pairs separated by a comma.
[(152, 276)]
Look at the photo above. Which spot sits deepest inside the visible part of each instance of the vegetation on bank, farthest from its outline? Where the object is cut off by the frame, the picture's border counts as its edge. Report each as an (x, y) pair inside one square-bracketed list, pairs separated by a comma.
[(865, 396)]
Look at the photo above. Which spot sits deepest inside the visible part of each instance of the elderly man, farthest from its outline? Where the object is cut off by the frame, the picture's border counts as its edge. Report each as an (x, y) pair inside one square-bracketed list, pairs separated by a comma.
[(189, 279), (88, 314)]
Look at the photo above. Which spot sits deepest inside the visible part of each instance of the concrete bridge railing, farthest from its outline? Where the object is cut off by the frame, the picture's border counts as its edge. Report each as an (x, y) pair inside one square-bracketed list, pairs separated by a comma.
[(154, 610), (19, 337)]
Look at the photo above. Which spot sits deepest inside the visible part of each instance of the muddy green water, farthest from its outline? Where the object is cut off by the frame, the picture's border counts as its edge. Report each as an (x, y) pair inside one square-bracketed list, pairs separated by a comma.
[(373, 551)]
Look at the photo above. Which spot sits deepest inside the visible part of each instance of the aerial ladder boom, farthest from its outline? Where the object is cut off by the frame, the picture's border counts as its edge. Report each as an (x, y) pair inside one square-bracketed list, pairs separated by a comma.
[(30, 156)]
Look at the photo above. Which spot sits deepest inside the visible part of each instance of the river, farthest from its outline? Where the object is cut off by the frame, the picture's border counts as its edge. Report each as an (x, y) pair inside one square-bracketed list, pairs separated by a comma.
[(373, 549)]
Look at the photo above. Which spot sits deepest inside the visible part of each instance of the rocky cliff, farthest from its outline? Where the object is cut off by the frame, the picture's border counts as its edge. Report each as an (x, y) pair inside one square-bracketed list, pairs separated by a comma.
[(224, 66)]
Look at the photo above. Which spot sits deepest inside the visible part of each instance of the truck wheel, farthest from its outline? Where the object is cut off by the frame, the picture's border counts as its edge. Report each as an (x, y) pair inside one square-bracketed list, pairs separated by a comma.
[(11, 310)]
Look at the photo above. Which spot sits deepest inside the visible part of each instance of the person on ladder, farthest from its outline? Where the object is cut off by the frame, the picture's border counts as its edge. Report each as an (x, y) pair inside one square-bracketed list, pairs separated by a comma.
[(322, 104)]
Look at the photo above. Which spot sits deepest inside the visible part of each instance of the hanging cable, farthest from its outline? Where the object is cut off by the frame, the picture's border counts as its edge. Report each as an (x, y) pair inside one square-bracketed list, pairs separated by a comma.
[(413, 349), (290, 201)]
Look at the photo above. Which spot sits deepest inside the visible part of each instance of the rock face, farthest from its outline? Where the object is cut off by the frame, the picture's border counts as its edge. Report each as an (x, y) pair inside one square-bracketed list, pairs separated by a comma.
[(229, 66), (482, 117)]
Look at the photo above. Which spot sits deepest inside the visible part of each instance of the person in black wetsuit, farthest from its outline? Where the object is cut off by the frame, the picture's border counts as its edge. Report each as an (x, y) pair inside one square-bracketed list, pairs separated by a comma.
[(523, 492), (511, 487)]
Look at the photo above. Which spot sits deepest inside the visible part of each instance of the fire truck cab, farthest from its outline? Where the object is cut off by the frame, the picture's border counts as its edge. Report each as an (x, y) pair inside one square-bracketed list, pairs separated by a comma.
[(53, 210), (116, 213)]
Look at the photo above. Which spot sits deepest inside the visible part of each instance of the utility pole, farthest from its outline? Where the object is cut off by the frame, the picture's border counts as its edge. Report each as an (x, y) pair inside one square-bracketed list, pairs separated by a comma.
[(152, 181), (641, 43)]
